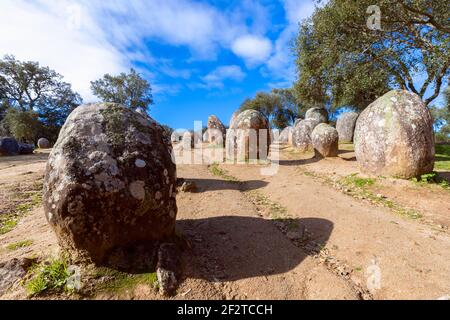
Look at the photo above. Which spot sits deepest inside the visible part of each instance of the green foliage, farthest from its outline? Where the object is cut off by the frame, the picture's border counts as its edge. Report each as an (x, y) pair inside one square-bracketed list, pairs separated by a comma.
[(441, 118), (51, 275), (432, 178), (130, 90), (442, 157), (20, 244), (23, 125), (342, 62), (36, 95)]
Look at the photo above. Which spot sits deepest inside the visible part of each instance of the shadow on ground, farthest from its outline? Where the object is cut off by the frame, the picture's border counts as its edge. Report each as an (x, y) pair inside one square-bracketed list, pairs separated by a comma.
[(232, 248), (217, 185)]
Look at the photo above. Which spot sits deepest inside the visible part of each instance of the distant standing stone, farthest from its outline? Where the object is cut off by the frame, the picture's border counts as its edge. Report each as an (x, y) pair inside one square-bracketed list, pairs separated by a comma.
[(302, 134), (216, 132), (43, 143), (325, 140), (319, 114), (286, 135), (9, 147), (345, 126), (25, 148), (394, 136), (251, 136)]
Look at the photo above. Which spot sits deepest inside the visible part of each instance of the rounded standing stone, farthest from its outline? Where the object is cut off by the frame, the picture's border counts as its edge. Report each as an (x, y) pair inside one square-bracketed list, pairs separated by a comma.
[(251, 134), (345, 126), (109, 183), (43, 143), (302, 134), (394, 136), (9, 147), (325, 140), (319, 114)]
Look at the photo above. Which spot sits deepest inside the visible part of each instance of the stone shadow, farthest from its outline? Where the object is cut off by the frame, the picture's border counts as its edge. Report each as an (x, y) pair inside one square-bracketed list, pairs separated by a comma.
[(231, 248), (217, 185)]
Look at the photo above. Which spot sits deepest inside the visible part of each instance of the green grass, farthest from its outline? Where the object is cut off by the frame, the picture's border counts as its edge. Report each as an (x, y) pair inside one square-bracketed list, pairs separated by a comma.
[(356, 181), (30, 200), (432, 178), (51, 275), (276, 210), (360, 188), (119, 281), (442, 157), (219, 172), (7, 223), (20, 244)]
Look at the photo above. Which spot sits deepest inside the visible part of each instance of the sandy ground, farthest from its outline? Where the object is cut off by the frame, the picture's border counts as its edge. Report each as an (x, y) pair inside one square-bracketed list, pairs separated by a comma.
[(238, 251)]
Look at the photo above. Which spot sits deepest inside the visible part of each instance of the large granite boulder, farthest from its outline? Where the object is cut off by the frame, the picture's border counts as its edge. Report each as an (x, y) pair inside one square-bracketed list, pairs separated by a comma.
[(394, 136), (325, 140), (249, 136), (110, 183), (43, 143), (346, 126), (302, 134), (9, 147), (319, 114)]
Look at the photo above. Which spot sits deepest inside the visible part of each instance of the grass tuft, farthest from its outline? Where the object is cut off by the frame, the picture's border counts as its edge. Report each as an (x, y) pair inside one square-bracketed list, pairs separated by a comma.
[(222, 173), (51, 275), (19, 245)]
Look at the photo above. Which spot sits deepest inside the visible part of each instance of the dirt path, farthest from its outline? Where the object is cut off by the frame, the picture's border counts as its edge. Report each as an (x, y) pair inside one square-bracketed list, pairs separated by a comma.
[(287, 236), (413, 258)]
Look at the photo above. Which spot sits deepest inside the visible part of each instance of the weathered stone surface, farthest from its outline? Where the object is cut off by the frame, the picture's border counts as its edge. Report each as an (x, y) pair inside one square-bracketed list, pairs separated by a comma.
[(9, 147), (233, 119), (168, 268), (43, 143), (286, 135), (245, 136), (25, 148), (13, 271), (325, 140), (346, 126), (188, 141), (216, 132), (319, 114), (394, 136), (297, 121), (110, 182), (302, 134)]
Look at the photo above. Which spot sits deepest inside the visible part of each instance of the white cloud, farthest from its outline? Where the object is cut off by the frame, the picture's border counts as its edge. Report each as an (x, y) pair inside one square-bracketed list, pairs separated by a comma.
[(281, 63), (217, 77), (33, 30), (84, 39), (253, 49)]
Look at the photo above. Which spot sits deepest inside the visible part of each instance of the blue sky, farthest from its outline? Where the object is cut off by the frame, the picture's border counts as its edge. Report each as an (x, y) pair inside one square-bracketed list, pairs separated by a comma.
[(201, 57)]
